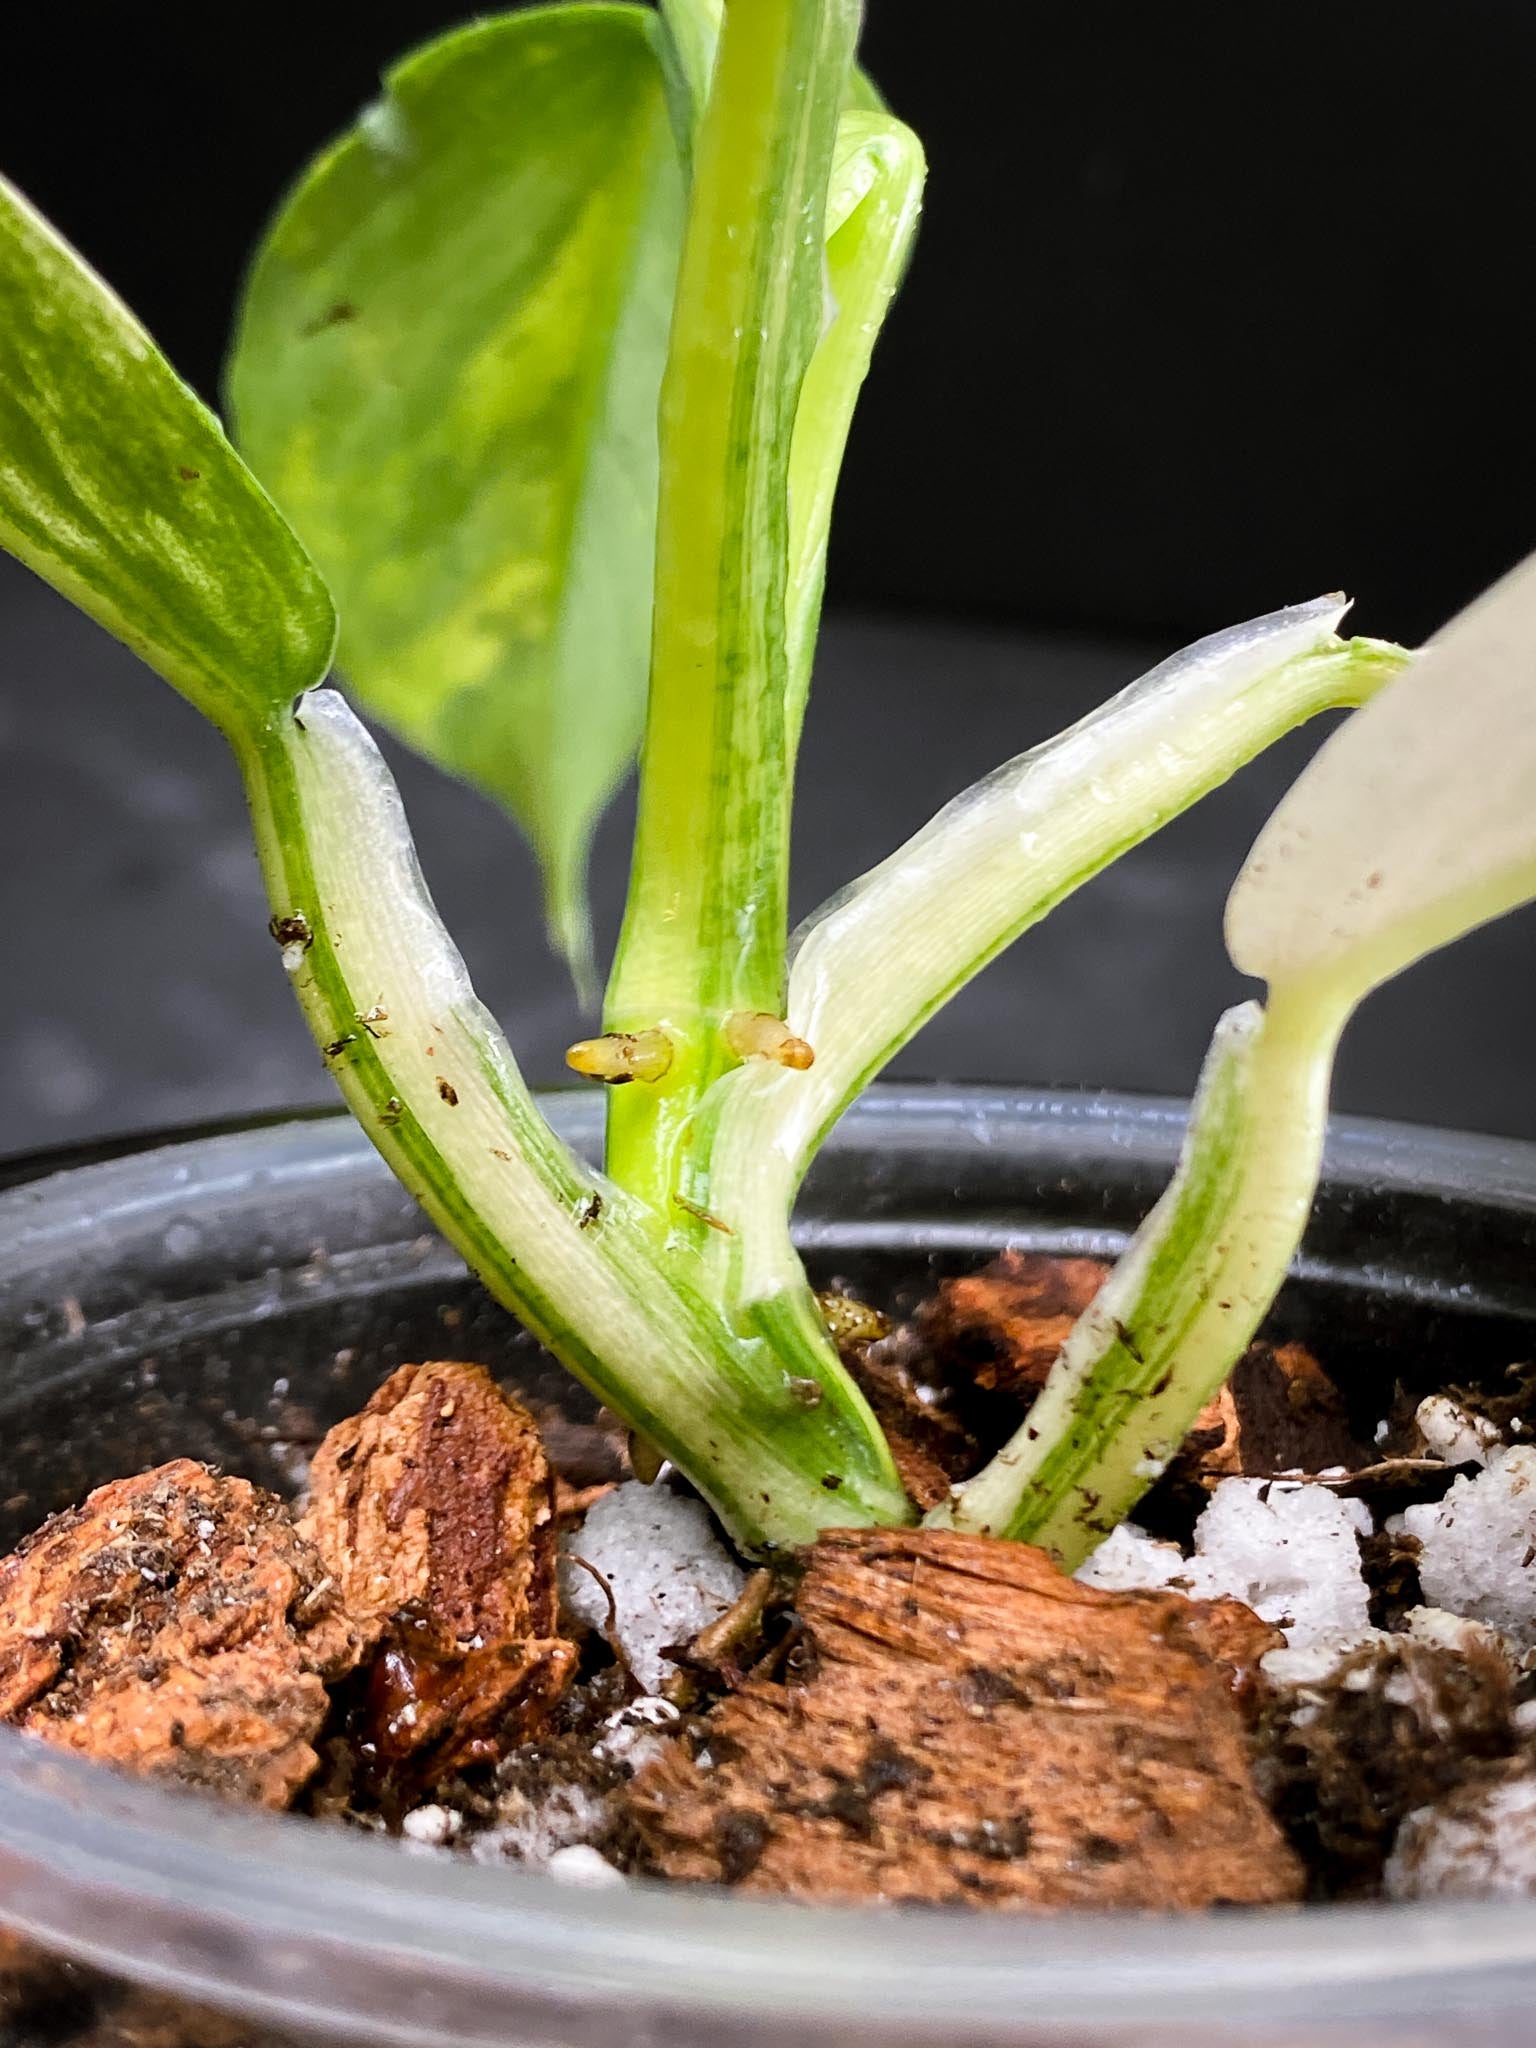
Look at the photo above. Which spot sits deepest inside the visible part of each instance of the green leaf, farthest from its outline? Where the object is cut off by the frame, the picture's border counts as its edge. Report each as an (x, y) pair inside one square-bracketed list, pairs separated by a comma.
[(118, 487), (447, 369)]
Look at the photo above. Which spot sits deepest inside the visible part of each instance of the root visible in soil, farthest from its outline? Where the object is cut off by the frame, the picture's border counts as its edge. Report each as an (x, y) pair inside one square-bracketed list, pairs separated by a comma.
[(964, 1724)]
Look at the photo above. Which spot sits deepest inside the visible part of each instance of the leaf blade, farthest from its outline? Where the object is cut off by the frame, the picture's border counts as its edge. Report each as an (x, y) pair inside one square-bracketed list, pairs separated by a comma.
[(118, 486), (1417, 819), (447, 367)]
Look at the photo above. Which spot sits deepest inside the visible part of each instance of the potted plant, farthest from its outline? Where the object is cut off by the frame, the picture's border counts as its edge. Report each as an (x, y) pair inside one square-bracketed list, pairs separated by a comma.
[(550, 363)]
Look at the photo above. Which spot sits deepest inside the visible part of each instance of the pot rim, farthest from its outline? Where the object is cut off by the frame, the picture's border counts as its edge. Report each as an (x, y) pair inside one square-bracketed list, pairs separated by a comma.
[(114, 1871)]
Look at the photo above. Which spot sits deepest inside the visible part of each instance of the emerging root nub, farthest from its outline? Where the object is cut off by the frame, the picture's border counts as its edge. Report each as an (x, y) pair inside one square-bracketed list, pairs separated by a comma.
[(755, 1035), (622, 1056)]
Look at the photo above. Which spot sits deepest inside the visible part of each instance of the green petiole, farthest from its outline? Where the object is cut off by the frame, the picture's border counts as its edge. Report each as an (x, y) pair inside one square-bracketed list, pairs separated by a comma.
[(552, 359), (705, 925)]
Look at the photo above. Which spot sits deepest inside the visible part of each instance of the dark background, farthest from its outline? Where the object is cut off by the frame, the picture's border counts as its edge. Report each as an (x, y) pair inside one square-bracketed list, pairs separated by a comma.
[(1213, 308)]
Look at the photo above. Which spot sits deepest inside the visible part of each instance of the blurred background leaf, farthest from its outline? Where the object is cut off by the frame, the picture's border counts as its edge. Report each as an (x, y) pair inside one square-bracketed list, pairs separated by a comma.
[(446, 370)]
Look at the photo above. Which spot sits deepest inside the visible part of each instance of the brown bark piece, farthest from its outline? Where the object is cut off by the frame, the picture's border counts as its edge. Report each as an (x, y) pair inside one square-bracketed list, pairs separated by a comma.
[(176, 1623), (930, 1447), (976, 1728), (1000, 1331), (435, 1509), (1008, 1322), (1279, 1412)]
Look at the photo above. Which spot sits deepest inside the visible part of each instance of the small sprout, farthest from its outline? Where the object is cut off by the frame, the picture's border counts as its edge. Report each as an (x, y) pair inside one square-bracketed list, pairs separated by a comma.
[(645, 1460), (850, 1321), (620, 1056), (448, 1092), (757, 1035)]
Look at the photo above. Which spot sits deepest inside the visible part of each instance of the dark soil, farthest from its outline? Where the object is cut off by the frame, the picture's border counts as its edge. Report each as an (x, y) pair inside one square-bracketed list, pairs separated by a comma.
[(916, 1717)]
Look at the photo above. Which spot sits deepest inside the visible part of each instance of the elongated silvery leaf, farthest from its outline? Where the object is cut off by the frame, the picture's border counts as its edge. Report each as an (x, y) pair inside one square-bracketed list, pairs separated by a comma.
[(447, 370), (118, 486), (1415, 822), (877, 961)]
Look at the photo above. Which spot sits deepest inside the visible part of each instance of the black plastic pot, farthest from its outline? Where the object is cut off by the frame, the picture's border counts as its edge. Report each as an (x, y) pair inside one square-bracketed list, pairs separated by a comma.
[(226, 1297)]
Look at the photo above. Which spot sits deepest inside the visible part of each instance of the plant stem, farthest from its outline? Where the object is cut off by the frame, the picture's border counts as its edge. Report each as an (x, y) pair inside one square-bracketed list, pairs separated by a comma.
[(435, 1087), (705, 925), (1187, 1294)]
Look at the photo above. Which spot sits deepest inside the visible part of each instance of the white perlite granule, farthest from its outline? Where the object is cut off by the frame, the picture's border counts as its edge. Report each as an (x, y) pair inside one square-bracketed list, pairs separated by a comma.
[(564, 1816), (1442, 1631), (1290, 1550), (671, 1576), (1308, 1667), (1454, 1433), (1479, 1544), (637, 1734), (1130, 1561), (430, 1827), (1480, 1842), (581, 1864)]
